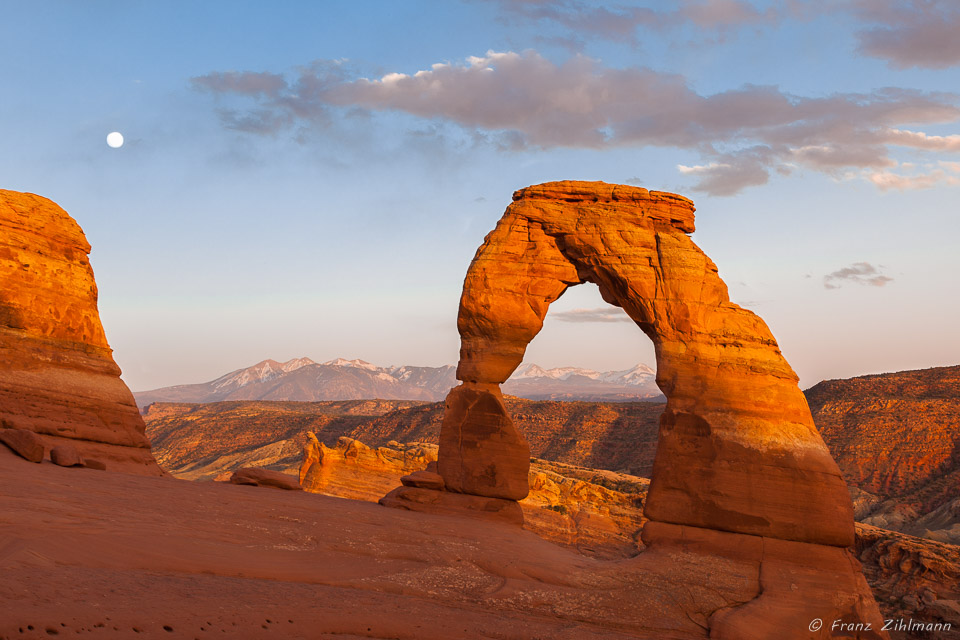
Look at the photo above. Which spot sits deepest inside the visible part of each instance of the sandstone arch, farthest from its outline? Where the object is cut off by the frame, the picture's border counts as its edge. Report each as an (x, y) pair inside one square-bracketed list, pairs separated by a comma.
[(738, 450)]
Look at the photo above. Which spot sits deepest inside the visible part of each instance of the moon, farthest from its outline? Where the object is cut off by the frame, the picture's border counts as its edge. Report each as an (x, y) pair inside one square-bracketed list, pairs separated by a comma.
[(115, 139)]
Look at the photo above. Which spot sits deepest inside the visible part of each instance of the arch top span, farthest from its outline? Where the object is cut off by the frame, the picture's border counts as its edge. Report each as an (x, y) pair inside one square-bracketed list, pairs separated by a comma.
[(737, 450), (661, 205)]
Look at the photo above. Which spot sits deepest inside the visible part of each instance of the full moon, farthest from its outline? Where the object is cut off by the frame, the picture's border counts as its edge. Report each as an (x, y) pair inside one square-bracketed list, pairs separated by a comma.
[(115, 139)]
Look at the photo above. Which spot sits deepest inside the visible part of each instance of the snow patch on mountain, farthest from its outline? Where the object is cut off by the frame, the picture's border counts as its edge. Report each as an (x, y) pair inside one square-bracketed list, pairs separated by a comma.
[(302, 379), (639, 375), (360, 364)]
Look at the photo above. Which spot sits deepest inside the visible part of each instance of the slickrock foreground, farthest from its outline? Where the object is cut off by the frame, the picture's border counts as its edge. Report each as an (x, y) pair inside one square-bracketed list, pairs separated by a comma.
[(57, 375), (738, 458), (105, 555), (93, 554)]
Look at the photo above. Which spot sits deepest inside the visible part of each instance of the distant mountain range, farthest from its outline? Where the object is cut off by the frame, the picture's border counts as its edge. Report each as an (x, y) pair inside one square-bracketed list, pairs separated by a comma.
[(302, 379)]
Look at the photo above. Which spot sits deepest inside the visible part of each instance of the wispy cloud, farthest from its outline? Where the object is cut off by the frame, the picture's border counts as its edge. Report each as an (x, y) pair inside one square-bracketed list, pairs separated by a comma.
[(925, 177), (912, 33), (731, 173), (523, 101), (862, 273), (622, 22), (603, 314), (618, 23), (905, 33), (248, 82)]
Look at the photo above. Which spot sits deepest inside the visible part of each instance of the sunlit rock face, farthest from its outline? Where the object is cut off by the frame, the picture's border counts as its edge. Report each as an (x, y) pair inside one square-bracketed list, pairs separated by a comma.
[(737, 450), (740, 476), (353, 470), (57, 375)]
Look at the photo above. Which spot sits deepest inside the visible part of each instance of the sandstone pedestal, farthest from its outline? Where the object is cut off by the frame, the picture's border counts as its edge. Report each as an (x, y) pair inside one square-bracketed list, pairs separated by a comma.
[(482, 453)]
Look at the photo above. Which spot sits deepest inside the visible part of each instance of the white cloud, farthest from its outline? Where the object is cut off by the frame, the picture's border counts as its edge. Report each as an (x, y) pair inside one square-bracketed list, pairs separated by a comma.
[(886, 180), (603, 314), (862, 273), (920, 140), (911, 33), (523, 100)]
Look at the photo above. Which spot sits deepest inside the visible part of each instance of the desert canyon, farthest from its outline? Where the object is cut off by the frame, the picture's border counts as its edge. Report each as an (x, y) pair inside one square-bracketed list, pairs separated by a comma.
[(722, 513)]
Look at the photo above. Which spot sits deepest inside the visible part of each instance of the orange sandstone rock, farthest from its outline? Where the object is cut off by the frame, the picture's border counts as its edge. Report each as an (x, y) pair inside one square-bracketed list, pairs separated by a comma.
[(257, 477), (424, 480), (741, 476), (66, 455), (485, 455), (57, 375), (737, 450), (24, 443), (354, 470)]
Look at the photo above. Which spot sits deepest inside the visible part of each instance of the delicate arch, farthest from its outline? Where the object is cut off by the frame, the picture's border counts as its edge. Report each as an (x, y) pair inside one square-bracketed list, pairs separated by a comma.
[(737, 449)]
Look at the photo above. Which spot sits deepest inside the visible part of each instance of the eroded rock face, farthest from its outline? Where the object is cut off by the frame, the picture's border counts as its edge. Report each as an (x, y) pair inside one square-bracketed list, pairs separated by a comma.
[(896, 437), (353, 470), (485, 454), (740, 473), (737, 450), (57, 375), (257, 477), (25, 444), (600, 513), (65, 455), (913, 578)]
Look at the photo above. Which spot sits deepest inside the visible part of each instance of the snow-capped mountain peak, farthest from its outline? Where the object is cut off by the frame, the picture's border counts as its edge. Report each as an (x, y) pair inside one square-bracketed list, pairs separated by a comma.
[(638, 375), (296, 363), (641, 372), (343, 362), (302, 379)]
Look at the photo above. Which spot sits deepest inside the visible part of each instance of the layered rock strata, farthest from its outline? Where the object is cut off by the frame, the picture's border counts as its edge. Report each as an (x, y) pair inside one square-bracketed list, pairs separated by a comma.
[(896, 437), (913, 578), (353, 470), (738, 455), (57, 374)]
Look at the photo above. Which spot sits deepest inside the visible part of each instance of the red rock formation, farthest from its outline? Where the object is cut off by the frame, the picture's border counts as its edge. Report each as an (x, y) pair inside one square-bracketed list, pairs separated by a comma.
[(25, 444), (57, 376), (600, 513), (257, 477), (354, 470), (485, 454), (201, 441), (66, 455), (738, 452), (914, 578), (897, 437)]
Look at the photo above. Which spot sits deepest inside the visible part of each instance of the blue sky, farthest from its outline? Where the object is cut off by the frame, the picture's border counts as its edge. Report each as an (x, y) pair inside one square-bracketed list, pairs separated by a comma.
[(313, 178)]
